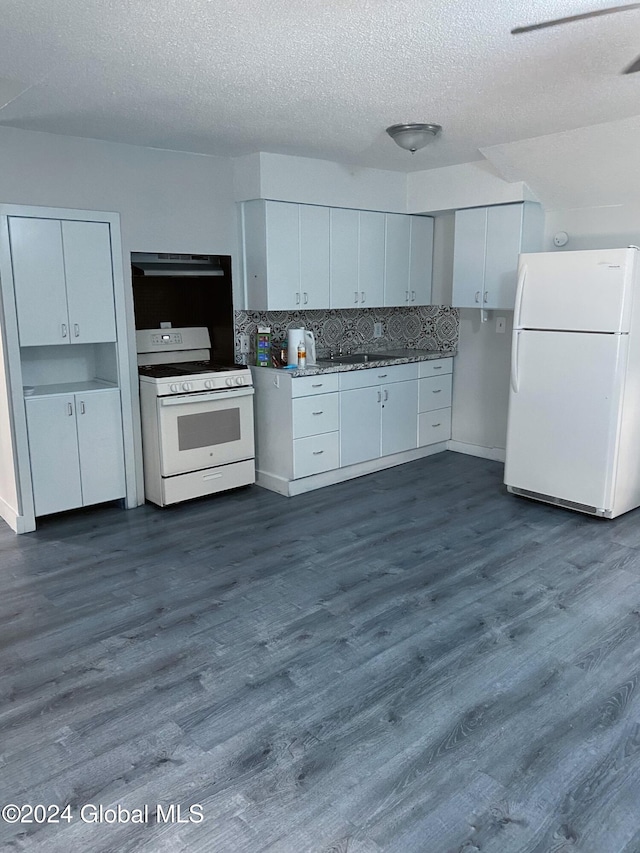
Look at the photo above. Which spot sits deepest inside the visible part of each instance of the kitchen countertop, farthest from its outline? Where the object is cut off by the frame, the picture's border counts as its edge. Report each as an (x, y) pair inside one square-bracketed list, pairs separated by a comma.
[(399, 357)]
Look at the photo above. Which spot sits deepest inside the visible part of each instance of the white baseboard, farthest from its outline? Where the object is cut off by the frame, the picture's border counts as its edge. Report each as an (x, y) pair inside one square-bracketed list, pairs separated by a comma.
[(495, 453), (289, 488), (18, 523)]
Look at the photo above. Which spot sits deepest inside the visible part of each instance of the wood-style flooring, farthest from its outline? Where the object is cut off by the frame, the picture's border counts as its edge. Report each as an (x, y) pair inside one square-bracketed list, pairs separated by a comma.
[(411, 661)]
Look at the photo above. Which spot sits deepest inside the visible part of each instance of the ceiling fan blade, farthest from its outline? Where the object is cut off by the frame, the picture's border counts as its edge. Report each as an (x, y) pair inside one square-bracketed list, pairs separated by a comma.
[(595, 14), (631, 69)]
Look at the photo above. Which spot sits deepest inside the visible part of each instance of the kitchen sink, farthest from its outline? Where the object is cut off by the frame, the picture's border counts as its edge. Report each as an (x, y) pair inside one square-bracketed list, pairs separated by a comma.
[(355, 358)]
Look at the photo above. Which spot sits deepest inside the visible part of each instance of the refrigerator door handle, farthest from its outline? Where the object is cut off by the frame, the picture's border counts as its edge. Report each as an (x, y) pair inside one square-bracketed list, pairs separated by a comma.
[(515, 379), (519, 294)]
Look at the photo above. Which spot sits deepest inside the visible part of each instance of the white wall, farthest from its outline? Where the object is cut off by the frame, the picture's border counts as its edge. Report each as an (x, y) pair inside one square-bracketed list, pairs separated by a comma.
[(605, 227), (307, 181), (467, 185)]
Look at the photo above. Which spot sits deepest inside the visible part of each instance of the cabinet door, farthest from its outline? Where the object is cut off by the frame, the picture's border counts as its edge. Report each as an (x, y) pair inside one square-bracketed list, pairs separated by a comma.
[(396, 265), (504, 235), (283, 256), (468, 257), (399, 417), (371, 258), (344, 258), (420, 260), (359, 425), (53, 453), (39, 281), (314, 256), (100, 446), (89, 279)]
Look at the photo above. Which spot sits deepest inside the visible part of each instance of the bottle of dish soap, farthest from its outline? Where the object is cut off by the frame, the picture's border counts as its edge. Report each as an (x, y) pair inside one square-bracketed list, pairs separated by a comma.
[(302, 355)]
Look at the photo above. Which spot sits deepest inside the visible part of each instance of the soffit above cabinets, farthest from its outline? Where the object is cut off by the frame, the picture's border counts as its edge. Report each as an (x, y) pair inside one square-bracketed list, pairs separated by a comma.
[(317, 80)]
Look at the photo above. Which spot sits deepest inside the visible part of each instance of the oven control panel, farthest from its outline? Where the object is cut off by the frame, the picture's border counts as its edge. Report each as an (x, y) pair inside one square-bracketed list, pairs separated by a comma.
[(166, 338), (222, 381)]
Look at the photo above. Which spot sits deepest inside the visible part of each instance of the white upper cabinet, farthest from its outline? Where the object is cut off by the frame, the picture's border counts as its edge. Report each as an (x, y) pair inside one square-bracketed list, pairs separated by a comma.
[(488, 241), (397, 259), (63, 281), (286, 254), (87, 263), (314, 256), (409, 260), (357, 258), (370, 259), (345, 229), (300, 256), (421, 260)]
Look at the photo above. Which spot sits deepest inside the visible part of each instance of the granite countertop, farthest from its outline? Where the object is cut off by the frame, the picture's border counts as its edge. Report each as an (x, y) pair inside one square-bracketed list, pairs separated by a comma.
[(387, 358)]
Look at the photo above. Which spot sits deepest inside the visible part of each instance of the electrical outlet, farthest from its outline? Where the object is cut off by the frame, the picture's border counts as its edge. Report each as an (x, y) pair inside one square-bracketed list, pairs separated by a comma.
[(377, 330), (244, 343), (501, 325)]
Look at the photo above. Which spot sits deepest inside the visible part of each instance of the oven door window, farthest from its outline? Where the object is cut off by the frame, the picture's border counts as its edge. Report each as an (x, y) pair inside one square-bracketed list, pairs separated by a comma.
[(202, 432), (205, 429)]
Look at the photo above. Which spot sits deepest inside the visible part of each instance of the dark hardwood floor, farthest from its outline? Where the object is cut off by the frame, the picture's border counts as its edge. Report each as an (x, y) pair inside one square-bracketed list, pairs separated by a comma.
[(411, 661)]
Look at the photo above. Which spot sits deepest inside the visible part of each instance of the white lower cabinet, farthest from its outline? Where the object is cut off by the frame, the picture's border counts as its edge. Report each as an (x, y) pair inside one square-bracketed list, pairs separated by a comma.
[(434, 401), (315, 430), (379, 420), (75, 449)]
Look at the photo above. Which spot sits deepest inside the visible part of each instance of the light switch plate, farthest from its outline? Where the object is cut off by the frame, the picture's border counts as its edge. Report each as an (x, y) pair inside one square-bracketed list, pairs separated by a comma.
[(244, 343), (501, 325), (377, 330)]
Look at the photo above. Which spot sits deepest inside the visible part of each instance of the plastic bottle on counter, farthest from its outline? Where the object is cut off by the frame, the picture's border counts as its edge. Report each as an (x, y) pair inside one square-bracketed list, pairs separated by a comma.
[(302, 355)]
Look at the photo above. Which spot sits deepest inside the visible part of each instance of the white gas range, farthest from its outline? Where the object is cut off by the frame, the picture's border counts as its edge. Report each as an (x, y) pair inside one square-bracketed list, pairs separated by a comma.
[(197, 417)]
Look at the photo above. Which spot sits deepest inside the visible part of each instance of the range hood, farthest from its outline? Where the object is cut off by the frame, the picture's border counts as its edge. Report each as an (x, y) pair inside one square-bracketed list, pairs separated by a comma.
[(167, 264)]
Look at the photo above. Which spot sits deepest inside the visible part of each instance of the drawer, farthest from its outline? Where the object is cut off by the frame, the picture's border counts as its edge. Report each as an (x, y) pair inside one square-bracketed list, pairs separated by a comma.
[(315, 454), (435, 367), (434, 393), (314, 415), (434, 426), (322, 383), (351, 379)]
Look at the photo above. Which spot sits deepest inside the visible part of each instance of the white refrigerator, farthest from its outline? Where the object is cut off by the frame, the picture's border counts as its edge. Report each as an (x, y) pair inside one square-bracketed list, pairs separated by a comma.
[(573, 431)]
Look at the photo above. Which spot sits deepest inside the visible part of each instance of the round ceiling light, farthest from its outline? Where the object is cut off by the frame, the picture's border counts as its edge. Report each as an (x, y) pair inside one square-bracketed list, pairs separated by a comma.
[(411, 137)]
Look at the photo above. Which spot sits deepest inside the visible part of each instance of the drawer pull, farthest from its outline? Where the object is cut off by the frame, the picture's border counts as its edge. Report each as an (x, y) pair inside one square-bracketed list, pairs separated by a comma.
[(212, 476), (436, 425), (317, 452), (439, 367), (318, 385), (382, 375), (437, 391), (317, 413)]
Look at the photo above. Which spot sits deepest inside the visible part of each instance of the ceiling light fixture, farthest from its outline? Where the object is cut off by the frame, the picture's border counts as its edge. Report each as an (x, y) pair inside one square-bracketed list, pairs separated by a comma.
[(411, 137)]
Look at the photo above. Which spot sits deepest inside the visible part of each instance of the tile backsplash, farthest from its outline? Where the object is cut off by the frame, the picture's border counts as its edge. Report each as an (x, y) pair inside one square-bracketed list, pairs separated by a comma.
[(423, 327)]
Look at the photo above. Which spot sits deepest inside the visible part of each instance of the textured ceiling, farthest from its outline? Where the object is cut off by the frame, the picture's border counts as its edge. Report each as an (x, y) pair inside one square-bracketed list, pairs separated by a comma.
[(315, 78)]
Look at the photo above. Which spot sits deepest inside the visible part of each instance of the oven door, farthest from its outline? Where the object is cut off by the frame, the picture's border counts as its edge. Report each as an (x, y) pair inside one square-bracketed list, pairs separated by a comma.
[(199, 431)]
